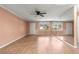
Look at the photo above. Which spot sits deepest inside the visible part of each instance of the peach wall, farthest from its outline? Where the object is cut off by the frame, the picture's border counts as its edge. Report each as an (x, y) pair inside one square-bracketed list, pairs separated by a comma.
[(11, 27)]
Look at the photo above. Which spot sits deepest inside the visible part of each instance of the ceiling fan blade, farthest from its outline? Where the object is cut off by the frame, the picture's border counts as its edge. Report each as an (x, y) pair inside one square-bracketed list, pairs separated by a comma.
[(41, 15)]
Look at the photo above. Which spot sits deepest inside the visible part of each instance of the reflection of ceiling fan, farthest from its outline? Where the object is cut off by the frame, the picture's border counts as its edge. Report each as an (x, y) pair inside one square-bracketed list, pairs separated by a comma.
[(39, 13)]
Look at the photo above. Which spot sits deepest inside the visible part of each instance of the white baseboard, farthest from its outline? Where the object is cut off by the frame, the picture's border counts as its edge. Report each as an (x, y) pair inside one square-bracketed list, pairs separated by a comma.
[(12, 41)]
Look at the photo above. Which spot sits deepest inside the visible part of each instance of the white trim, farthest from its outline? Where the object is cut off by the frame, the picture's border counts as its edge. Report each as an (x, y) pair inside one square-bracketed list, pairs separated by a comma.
[(12, 41), (75, 27)]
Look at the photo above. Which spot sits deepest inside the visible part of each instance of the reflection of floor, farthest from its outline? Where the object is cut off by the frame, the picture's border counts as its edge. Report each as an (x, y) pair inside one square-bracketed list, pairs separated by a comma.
[(39, 44)]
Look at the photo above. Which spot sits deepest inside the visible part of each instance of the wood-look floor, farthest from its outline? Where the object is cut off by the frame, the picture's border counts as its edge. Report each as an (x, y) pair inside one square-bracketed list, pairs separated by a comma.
[(39, 44)]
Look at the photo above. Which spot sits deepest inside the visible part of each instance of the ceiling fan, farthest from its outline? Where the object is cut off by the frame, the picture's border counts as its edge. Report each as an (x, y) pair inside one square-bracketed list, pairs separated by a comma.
[(37, 12), (40, 13)]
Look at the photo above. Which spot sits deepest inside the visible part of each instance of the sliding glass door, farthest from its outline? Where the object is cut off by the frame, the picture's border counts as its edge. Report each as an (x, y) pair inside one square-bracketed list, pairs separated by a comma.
[(58, 29)]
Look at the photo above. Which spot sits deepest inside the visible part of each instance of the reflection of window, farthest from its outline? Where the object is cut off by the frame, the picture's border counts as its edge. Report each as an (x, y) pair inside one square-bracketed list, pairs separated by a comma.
[(57, 26), (44, 26)]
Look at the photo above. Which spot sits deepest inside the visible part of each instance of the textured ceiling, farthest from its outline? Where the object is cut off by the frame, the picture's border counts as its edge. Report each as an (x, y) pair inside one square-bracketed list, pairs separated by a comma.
[(26, 11)]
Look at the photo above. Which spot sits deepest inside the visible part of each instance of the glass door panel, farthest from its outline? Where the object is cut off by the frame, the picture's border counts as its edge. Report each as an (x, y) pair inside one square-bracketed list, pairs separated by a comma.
[(65, 30), (57, 28), (44, 28)]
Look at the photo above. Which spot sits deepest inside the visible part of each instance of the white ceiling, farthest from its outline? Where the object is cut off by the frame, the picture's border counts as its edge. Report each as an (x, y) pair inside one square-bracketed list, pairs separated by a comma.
[(26, 11)]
